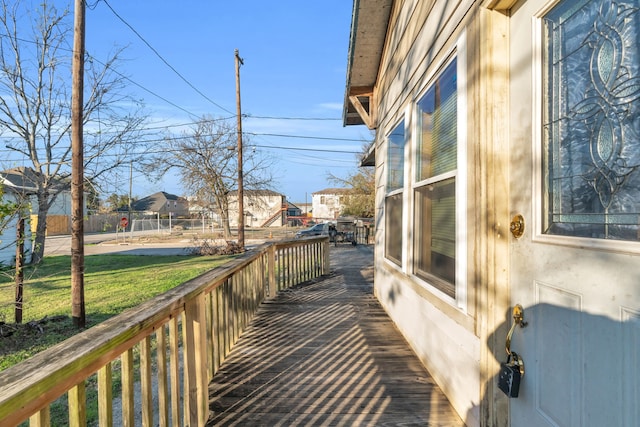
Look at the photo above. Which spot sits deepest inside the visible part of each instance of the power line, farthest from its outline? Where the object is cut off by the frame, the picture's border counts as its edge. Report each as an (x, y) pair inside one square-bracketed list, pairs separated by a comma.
[(164, 151), (92, 58), (318, 150), (251, 116), (171, 67), (326, 138), (151, 92), (258, 134), (173, 104), (155, 51)]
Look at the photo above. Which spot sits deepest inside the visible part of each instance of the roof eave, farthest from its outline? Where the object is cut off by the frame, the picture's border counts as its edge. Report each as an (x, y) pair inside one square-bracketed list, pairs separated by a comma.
[(369, 158), (370, 19)]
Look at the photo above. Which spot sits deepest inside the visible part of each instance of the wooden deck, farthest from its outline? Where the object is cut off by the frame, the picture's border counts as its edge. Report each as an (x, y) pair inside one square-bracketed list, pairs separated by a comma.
[(325, 353)]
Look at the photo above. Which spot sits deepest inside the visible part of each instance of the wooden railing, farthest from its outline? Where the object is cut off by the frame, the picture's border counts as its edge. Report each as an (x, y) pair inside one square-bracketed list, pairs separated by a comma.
[(158, 358)]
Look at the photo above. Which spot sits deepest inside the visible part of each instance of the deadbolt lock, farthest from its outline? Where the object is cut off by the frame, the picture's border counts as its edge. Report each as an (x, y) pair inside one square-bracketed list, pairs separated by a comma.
[(517, 226)]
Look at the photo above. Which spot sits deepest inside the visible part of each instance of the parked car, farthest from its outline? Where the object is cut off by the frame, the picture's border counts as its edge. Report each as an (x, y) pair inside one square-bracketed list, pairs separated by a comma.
[(316, 230)]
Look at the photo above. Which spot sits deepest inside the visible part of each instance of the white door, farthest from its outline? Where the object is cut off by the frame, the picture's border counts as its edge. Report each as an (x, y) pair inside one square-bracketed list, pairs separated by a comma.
[(575, 178)]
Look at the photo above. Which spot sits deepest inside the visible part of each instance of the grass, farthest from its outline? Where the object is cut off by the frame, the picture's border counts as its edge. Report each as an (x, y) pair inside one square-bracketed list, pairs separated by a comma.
[(112, 283)]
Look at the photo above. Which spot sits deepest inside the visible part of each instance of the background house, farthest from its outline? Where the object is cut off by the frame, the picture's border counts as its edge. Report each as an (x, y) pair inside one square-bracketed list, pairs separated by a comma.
[(327, 204), (506, 156), (162, 204), (293, 209), (15, 191), (21, 180), (263, 208), (305, 208)]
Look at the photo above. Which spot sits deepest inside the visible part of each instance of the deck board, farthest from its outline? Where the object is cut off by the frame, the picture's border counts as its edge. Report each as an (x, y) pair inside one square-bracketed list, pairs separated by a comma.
[(326, 353)]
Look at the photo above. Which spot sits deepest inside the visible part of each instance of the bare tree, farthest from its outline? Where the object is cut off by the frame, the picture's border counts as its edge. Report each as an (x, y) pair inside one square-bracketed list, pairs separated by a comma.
[(360, 201), (35, 110), (206, 159), (14, 208)]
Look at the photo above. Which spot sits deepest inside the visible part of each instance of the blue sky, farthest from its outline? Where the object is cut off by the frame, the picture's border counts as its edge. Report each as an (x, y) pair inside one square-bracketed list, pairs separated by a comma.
[(295, 58)]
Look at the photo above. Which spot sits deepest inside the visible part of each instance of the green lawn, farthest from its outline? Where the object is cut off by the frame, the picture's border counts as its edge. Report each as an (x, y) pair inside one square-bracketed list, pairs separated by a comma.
[(112, 284)]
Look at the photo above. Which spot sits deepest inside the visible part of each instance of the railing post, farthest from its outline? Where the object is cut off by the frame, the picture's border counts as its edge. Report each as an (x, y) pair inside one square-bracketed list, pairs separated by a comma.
[(77, 405), (146, 396), (325, 252), (105, 396), (196, 360), (174, 366), (163, 386), (128, 402), (41, 418), (216, 332), (271, 267)]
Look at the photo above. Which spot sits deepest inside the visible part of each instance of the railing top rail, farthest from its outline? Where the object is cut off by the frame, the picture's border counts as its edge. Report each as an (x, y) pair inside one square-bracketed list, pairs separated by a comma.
[(302, 241), (53, 371)]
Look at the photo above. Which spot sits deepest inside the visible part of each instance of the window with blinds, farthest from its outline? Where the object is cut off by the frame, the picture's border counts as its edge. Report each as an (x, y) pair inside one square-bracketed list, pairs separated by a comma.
[(395, 158), (393, 226), (434, 192), (438, 127), (393, 200)]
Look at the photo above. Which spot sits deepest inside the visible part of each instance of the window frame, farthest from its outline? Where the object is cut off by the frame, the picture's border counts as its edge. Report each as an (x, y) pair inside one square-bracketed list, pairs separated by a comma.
[(389, 256), (396, 193), (433, 284)]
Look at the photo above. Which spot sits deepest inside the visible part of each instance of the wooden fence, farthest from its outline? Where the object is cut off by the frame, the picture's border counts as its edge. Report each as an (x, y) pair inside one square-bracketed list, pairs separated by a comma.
[(161, 354)]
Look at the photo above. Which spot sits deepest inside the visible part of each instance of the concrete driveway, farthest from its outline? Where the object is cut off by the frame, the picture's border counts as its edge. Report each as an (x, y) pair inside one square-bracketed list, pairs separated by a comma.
[(110, 243), (124, 244)]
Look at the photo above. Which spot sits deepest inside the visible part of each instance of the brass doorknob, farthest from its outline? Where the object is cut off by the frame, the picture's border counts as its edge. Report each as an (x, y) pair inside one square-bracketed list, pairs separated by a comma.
[(517, 226)]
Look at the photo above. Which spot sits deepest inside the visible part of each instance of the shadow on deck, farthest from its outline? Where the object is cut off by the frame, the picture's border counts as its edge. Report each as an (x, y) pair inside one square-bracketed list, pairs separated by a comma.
[(325, 353)]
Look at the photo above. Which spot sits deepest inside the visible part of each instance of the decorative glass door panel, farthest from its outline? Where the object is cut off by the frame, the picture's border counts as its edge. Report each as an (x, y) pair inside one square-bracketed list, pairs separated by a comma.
[(592, 119)]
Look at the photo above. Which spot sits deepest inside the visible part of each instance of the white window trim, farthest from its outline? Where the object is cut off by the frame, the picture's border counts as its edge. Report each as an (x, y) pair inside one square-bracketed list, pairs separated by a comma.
[(407, 199), (459, 51), (405, 117), (539, 210)]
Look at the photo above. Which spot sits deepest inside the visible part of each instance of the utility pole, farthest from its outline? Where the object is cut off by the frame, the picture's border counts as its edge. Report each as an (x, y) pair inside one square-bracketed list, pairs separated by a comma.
[(240, 183), (130, 194), (77, 166)]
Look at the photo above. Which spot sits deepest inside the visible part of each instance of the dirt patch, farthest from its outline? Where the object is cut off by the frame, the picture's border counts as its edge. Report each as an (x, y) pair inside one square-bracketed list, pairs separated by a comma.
[(214, 247), (22, 340)]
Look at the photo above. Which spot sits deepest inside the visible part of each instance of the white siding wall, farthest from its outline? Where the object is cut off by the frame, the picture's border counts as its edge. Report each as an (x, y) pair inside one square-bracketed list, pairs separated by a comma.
[(442, 333)]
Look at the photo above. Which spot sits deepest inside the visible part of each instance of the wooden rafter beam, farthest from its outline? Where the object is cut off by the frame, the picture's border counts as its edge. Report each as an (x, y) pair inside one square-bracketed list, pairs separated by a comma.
[(366, 114), (361, 91), (500, 5)]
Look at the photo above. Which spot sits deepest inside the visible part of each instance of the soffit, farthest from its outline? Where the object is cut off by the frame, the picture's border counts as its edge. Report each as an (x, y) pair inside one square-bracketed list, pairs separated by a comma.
[(370, 19)]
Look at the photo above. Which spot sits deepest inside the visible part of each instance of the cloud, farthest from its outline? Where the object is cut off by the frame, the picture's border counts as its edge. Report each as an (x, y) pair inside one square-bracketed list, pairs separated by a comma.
[(333, 106)]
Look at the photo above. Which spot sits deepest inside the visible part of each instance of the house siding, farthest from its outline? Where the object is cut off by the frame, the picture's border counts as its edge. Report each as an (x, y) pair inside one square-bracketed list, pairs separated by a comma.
[(421, 36), (516, 73)]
